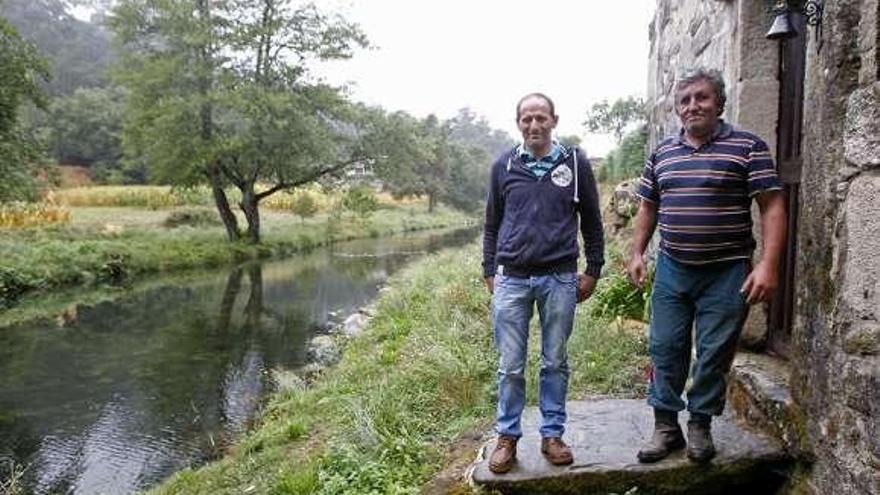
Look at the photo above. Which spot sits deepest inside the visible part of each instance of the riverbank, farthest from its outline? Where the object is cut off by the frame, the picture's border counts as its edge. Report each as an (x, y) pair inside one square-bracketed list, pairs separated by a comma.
[(394, 412), (113, 246)]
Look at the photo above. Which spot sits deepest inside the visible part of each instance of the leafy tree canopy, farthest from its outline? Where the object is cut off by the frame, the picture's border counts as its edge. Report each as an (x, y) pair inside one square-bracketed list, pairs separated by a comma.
[(615, 118), (221, 92), (22, 72), (78, 52)]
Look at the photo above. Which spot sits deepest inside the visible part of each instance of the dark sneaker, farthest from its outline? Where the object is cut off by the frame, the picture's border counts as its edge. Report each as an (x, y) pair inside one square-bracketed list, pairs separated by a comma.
[(504, 455), (666, 439), (556, 451), (700, 446)]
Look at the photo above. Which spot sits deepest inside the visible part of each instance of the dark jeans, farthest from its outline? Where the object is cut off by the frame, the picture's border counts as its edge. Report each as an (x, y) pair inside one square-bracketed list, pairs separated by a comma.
[(702, 301)]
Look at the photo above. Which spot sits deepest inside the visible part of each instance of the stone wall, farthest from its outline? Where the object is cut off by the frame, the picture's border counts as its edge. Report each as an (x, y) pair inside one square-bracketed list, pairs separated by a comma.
[(835, 348), (837, 334)]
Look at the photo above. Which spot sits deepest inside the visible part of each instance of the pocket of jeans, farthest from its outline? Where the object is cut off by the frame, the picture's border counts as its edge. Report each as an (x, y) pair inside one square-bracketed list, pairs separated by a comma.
[(565, 278)]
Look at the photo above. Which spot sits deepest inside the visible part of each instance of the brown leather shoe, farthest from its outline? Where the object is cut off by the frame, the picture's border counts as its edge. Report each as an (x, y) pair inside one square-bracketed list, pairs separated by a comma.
[(504, 455), (556, 451)]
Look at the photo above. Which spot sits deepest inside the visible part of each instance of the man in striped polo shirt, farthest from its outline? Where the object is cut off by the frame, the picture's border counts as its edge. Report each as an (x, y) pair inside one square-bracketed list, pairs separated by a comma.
[(698, 186)]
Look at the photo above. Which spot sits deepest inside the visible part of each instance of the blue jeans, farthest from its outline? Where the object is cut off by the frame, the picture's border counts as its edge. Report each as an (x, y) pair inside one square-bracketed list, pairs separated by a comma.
[(700, 300), (512, 307)]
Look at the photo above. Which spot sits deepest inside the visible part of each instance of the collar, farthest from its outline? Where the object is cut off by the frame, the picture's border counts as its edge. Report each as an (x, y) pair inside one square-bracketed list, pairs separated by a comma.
[(552, 156), (722, 130)]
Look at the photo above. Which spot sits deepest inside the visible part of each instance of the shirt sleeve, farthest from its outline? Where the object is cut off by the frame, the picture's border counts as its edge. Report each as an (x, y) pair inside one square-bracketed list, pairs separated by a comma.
[(648, 188), (494, 214), (762, 170)]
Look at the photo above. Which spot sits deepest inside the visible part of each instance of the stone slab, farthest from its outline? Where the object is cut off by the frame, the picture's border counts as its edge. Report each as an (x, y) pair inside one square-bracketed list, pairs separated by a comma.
[(605, 436), (758, 392)]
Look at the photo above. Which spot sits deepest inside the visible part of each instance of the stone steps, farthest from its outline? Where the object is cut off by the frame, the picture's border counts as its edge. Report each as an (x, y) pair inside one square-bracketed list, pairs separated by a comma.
[(605, 436), (760, 395)]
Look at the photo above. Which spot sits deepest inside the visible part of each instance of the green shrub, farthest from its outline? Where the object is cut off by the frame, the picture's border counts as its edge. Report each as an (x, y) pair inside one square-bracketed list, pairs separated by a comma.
[(616, 296), (304, 205), (12, 285), (192, 218), (360, 200)]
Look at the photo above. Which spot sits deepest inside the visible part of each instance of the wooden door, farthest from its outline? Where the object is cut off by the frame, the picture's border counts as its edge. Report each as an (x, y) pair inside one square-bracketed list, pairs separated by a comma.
[(788, 157)]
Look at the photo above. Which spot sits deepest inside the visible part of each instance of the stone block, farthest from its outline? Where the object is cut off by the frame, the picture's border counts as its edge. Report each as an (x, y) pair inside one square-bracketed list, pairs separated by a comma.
[(758, 56), (702, 39), (755, 333), (869, 33), (605, 436), (861, 386), (862, 128), (860, 289), (758, 101), (863, 340)]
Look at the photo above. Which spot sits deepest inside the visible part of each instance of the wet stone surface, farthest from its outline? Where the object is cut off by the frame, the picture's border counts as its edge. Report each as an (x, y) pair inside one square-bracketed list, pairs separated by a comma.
[(605, 436)]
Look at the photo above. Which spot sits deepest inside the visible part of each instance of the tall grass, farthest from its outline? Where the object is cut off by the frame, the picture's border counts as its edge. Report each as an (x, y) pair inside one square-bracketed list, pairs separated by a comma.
[(17, 215), (13, 474), (156, 197), (420, 376), (152, 197)]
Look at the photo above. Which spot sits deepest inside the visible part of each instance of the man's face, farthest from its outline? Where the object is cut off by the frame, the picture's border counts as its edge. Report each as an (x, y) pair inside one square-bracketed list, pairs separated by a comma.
[(536, 123), (698, 108)]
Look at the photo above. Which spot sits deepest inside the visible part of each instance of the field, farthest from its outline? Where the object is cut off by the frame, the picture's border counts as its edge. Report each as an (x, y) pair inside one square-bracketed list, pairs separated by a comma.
[(112, 235)]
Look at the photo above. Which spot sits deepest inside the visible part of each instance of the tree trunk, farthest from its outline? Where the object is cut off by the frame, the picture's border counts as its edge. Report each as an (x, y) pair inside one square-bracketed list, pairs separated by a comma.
[(223, 208), (250, 206), (432, 201), (233, 286), (253, 310)]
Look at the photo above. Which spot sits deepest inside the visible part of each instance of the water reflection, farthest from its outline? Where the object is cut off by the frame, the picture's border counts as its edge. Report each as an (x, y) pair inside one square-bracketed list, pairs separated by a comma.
[(165, 378)]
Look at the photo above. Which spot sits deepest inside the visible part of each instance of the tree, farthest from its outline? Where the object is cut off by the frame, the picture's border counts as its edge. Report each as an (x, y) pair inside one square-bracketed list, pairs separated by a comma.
[(446, 161), (627, 160), (85, 127), (360, 200), (22, 71), (78, 52), (304, 205), (616, 117), (570, 140), (220, 92)]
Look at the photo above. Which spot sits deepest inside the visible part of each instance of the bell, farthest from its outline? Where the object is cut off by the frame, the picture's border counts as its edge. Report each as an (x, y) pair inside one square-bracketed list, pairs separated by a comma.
[(781, 28)]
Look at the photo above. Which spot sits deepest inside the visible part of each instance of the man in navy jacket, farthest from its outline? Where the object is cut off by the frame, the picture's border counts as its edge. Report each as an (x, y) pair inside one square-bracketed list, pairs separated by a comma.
[(540, 194)]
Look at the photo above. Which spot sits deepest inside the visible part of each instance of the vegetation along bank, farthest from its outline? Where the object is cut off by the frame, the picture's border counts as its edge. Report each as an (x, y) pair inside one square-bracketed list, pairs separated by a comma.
[(420, 379), (113, 245)]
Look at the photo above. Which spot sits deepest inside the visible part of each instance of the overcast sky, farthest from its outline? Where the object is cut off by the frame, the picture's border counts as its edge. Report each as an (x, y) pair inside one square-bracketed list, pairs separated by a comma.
[(439, 56)]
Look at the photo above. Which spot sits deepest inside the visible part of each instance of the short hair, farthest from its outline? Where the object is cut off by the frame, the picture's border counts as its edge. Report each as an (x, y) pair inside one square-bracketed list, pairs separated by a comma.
[(713, 76), (536, 95)]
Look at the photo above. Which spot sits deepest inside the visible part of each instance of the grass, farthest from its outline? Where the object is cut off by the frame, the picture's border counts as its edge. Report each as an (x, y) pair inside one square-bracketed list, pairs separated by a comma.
[(115, 245), (422, 374)]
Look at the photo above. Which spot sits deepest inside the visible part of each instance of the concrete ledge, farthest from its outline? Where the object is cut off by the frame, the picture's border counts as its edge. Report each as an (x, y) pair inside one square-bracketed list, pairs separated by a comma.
[(605, 436)]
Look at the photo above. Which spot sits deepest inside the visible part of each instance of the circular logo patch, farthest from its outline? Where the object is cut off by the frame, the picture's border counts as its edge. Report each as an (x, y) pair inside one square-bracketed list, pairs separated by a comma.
[(561, 176)]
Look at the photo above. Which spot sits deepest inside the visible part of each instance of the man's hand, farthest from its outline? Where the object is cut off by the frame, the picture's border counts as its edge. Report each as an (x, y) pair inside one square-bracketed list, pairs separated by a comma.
[(637, 269), (761, 283), (586, 285), (490, 284)]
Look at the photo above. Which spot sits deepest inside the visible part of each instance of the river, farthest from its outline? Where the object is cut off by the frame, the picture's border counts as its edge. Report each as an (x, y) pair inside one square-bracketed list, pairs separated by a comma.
[(118, 395)]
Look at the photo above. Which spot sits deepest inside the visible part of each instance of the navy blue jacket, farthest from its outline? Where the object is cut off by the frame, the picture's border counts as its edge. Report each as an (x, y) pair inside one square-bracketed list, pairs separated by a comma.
[(532, 223)]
